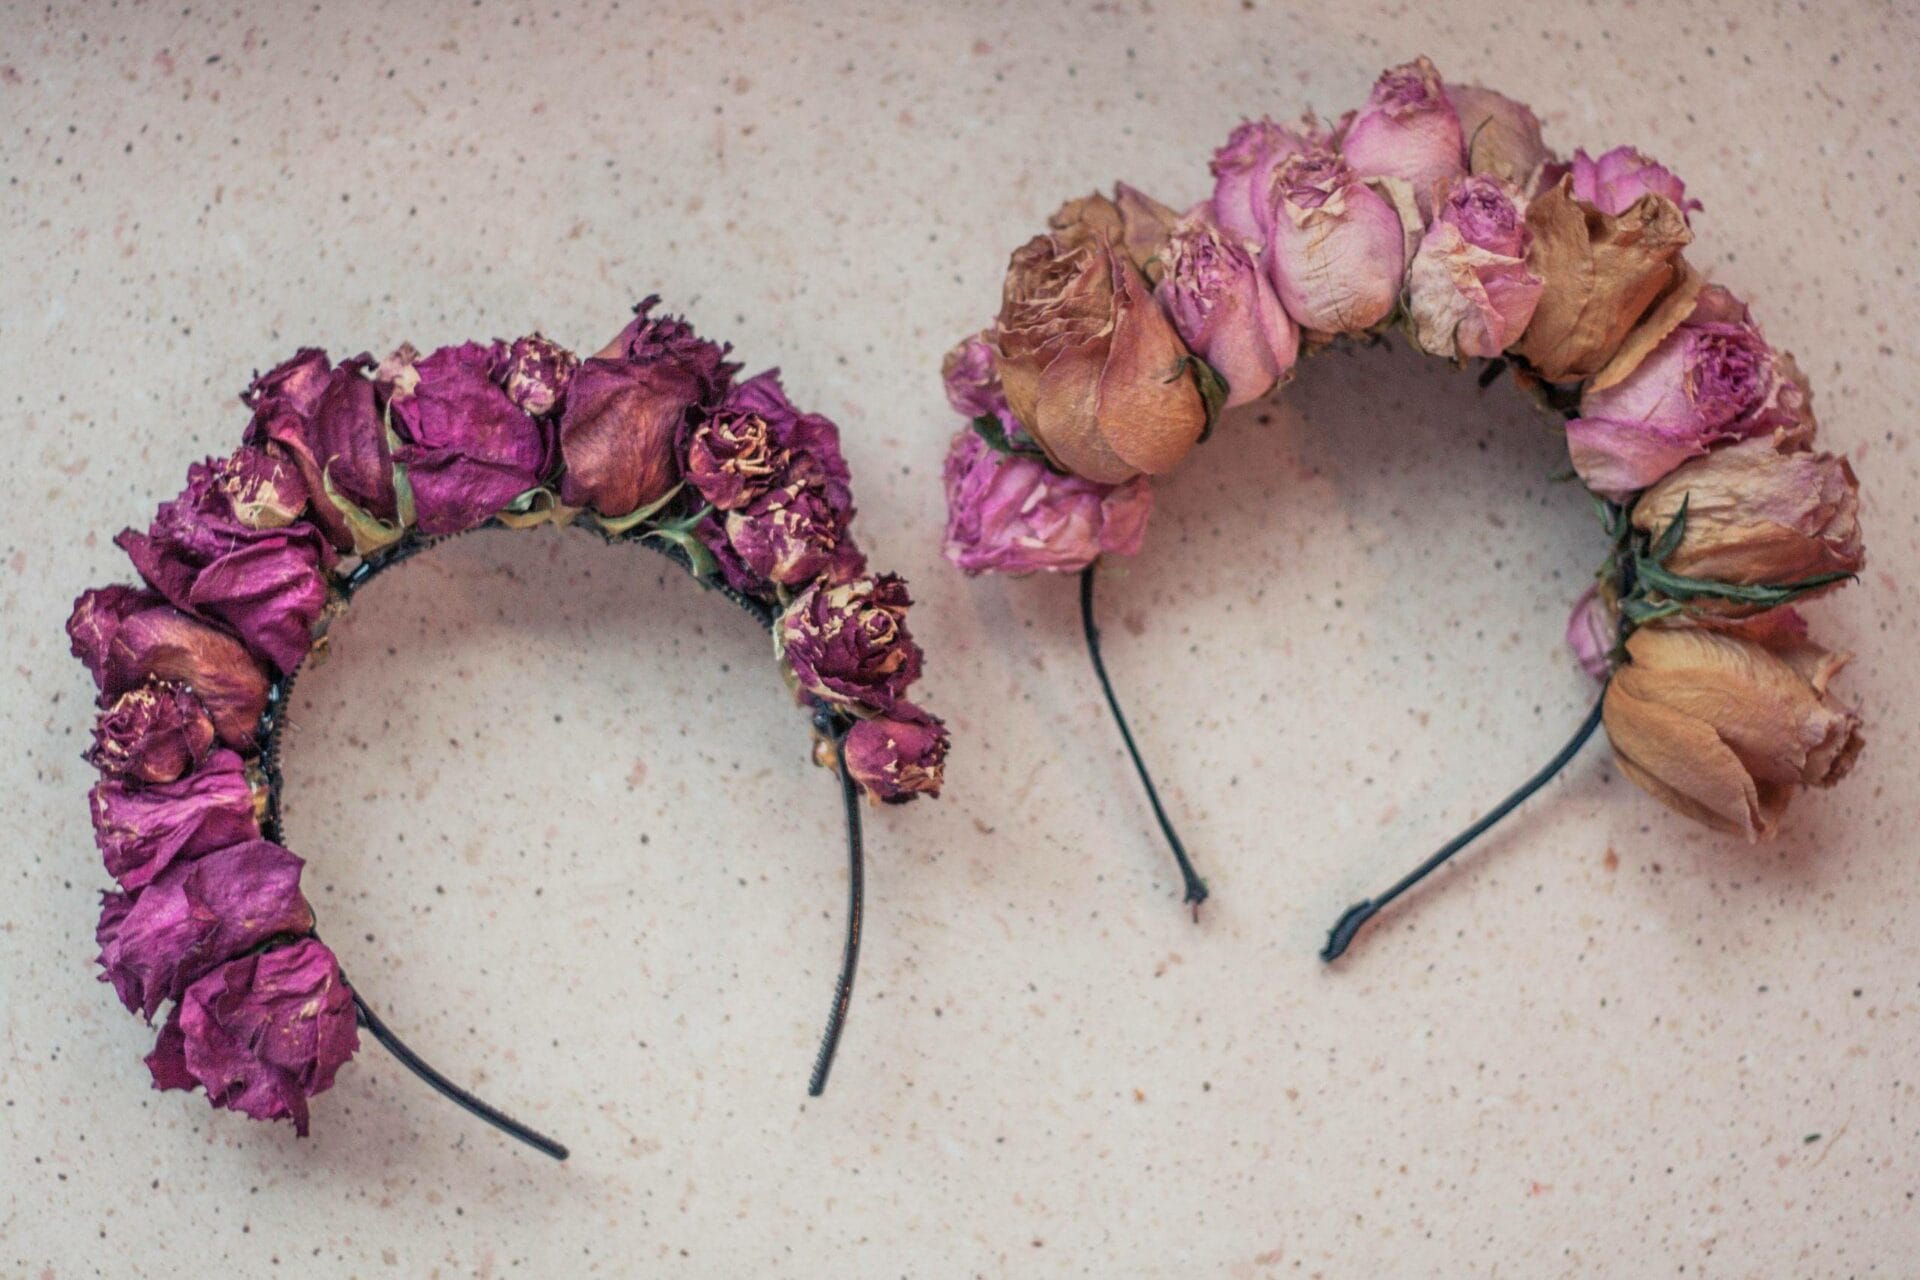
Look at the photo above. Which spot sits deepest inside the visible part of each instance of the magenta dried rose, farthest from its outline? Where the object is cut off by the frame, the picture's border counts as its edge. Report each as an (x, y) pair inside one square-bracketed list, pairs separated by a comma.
[(1469, 291), (151, 734), (1225, 310), (126, 637), (1408, 129), (1620, 177), (468, 449), (265, 581), (848, 644), (1243, 174), (324, 417), (972, 379), (261, 1034), (144, 829), (898, 756), (1338, 247), (193, 916), (627, 408), (794, 534), (1011, 513), (538, 371), (757, 441)]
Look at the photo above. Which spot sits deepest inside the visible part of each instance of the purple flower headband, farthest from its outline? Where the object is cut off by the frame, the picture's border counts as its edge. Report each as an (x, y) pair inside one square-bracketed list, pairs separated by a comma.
[(1438, 210), (348, 470)]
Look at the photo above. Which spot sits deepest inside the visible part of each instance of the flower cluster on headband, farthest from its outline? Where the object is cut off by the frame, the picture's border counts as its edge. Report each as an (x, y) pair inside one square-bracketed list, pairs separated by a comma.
[(1438, 209), (651, 437)]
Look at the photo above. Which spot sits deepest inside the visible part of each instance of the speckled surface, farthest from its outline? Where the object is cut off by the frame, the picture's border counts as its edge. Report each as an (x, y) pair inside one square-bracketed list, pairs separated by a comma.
[(559, 814)]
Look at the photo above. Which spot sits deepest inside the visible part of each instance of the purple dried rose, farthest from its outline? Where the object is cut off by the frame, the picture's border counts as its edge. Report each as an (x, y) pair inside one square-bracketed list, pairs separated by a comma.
[(538, 371), (127, 636), (468, 449), (794, 534), (231, 549), (261, 1034), (193, 916), (1469, 291), (848, 644), (1243, 173), (1713, 379), (628, 407), (1591, 633), (898, 756), (151, 734), (1011, 513), (1408, 129), (143, 830), (758, 441), (324, 417), (1226, 310), (1620, 177), (1337, 248)]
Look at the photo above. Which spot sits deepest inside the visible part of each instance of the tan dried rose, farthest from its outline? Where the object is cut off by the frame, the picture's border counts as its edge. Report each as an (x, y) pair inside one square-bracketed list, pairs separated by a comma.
[(1725, 727), (1603, 273), (1134, 221), (1502, 136)]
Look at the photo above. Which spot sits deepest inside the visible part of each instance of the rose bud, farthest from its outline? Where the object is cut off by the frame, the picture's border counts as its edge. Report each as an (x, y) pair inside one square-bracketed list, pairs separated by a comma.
[(1226, 311), (1243, 173), (1756, 516), (538, 371), (795, 533), (898, 756), (127, 637), (324, 418), (151, 734), (1712, 379), (1724, 728), (971, 380), (1620, 177), (1407, 130), (1132, 222), (1091, 366), (848, 644), (1338, 247), (1592, 633), (261, 1034), (1469, 291), (268, 584), (1011, 513), (1602, 274), (193, 916), (143, 830), (627, 407), (1502, 136), (467, 448)]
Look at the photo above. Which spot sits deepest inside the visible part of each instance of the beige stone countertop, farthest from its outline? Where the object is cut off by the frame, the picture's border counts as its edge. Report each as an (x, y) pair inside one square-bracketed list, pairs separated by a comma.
[(558, 808)]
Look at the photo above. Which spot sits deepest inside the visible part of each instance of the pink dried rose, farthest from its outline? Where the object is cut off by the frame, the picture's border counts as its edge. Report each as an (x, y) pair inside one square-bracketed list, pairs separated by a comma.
[(898, 756), (1225, 310), (1469, 291), (1408, 130), (1620, 177), (1502, 136), (469, 450), (230, 549), (1713, 379), (848, 644), (261, 1034), (1243, 173), (538, 371), (127, 636), (195, 915), (1011, 513), (972, 381), (151, 734), (324, 417), (1338, 247), (144, 829), (1592, 633)]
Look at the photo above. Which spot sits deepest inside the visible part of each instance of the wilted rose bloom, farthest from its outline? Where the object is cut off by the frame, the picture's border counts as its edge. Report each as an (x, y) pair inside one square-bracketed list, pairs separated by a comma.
[(1226, 311), (1014, 514), (538, 371), (795, 533), (1243, 173), (898, 756), (1132, 222), (1502, 136), (195, 915), (1592, 633), (324, 417), (1407, 130), (626, 410), (468, 449), (1724, 728), (151, 734), (1338, 247), (1622, 176), (144, 829), (757, 441), (267, 583), (126, 637), (1712, 379), (1469, 290), (261, 1034), (1758, 516), (971, 380), (848, 644)]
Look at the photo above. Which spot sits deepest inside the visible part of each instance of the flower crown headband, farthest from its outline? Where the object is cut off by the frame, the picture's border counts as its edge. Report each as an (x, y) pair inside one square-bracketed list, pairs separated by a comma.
[(1438, 210), (348, 470)]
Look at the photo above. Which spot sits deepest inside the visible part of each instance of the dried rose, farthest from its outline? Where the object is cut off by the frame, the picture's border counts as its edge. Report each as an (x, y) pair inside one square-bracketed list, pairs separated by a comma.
[(848, 644), (971, 380), (1469, 291), (1725, 728), (1011, 513), (151, 734), (1226, 311), (1408, 129), (1338, 247), (898, 756), (469, 450), (326, 420), (1243, 173), (626, 410), (1620, 177), (1592, 632), (1132, 222), (195, 915), (758, 440), (126, 637), (793, 534), (143, 830), (538, 371), (1502, 136), (261, 1034)]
